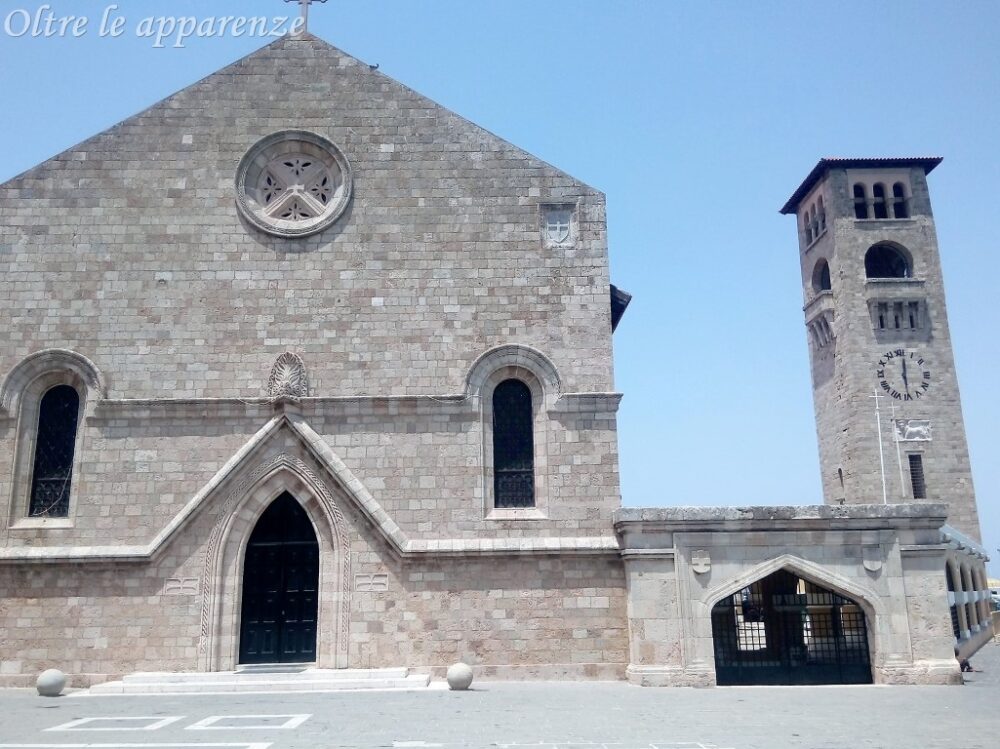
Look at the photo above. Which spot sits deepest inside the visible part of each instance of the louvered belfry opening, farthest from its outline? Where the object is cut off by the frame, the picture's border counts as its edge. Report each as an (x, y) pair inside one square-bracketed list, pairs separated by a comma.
[(55, 444), (513, 446), (783, 629)]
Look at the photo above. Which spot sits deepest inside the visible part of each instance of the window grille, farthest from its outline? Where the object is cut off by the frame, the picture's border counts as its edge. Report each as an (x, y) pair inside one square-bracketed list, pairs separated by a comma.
[(55, 442), (917, 477), (513, 446)]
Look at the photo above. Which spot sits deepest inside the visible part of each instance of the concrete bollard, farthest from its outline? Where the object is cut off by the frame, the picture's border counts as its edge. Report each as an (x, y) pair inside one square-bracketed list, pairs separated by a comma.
[(51, 683), (459, 677)]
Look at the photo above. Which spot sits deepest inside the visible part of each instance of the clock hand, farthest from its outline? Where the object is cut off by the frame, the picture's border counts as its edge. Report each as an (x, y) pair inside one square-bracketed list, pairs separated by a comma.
[(906, 382)]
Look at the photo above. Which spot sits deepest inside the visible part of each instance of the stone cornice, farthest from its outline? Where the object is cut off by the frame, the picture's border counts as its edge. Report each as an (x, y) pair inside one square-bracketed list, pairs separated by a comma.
[(792, 518)]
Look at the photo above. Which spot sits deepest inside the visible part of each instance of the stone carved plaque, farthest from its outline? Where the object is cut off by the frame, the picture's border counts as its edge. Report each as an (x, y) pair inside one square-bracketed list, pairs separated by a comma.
[(913, 430), (872, 558), (288, 377), (181, 586), (701, 562), (376, 583)]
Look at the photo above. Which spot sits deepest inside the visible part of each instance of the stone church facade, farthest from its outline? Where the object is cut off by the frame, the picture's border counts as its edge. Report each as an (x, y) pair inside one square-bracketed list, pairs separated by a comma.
[(299, 366)]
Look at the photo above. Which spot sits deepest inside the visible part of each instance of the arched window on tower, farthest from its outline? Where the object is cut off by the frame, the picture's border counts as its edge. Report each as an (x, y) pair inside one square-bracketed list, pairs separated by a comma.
[(55, 443), (822, 214), (878, 201), (860, 201), (821, 276), (885, 261), (899, 209), (513, 445)]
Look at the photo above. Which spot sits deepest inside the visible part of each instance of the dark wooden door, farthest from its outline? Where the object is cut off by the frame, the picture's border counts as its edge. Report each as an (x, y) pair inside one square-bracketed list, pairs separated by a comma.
[(280, 582)]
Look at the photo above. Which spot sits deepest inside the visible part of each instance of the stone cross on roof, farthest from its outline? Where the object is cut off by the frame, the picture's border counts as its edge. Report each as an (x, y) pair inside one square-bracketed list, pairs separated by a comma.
[(304, 9)]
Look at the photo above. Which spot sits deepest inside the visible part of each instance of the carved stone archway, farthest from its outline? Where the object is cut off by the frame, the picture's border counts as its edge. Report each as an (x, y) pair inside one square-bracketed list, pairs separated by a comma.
[(222, 576)]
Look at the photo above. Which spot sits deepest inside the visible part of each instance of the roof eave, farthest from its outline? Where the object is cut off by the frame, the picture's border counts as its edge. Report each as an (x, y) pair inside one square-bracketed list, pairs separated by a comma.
[(825, 164)]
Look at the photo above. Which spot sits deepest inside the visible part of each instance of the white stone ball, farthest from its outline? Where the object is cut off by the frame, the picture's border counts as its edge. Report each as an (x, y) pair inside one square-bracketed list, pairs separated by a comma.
[(51, 683), (459, 676)]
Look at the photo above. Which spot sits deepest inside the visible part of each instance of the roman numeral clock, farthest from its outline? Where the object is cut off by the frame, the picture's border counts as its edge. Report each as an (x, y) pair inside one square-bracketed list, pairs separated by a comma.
[(903, 374)]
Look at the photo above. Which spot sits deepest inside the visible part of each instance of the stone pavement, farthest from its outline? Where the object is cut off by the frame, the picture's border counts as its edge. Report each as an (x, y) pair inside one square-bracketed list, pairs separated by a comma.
[(532, 715)]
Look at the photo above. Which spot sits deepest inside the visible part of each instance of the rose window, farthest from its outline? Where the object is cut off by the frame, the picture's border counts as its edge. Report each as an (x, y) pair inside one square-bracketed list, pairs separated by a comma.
[(293, 184)]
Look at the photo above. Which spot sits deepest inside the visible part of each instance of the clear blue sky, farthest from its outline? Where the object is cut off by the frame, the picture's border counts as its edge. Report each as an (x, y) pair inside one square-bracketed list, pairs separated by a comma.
[(698, 120)]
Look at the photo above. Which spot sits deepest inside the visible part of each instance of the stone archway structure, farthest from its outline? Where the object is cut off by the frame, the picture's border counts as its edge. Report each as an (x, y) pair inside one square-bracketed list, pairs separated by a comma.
[(874, 610), (222, 577)]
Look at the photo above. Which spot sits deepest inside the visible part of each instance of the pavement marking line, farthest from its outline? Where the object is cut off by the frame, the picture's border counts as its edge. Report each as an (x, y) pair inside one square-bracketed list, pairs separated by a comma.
[(243, 745), (293, 720), (154, 723)]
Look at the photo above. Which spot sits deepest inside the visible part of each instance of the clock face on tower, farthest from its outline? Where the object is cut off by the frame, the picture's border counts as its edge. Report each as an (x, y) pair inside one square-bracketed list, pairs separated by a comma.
[(903, 374)]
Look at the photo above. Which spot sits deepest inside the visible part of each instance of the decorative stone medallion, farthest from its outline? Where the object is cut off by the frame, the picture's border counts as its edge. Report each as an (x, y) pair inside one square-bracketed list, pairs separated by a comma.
[(293, 184), (701, 561), (288, 377)]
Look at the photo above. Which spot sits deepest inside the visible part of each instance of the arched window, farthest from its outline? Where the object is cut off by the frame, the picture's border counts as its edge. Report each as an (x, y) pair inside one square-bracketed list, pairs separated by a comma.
[(878, 201), (55, 443), (860, 201), (513, 445), (885, 261), (821, 276), (899, 209), (822, 214), (807, 227), (956, 620)]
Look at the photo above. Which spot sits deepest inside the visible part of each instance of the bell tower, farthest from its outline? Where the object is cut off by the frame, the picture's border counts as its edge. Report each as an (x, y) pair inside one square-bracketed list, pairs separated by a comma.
[(877, 330)]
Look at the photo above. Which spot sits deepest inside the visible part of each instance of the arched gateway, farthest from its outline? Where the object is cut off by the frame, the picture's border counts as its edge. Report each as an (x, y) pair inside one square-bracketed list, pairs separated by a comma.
[(783, 629), (280, 587)]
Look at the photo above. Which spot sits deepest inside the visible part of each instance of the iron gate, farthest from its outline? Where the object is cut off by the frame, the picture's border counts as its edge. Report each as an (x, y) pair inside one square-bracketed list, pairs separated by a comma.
[(786, 630)]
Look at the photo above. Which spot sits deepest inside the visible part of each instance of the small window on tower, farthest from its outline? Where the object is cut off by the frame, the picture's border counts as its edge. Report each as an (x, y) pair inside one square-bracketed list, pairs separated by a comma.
[(899, 209), (860, 201), (886, 261), (878, 201), (822, 215), (821, 276), (882, 314), (913, 312), (917, 477), (897, 315)]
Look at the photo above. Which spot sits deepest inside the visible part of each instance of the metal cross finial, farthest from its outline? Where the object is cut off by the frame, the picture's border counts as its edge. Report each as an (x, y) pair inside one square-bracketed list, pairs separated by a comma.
[(304, 10)]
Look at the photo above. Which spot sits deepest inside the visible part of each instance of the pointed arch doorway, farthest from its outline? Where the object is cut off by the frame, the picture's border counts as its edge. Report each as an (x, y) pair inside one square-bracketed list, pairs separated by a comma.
[(280, 587), (783, 629)]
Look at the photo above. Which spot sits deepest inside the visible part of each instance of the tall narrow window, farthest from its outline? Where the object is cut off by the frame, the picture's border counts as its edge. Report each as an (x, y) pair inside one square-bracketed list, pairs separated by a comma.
[(55, 441), (914, 314), (878, 201), (860, 201), (822, 215), (899, 209), (883, 314), (513, 446), (917, 477)]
